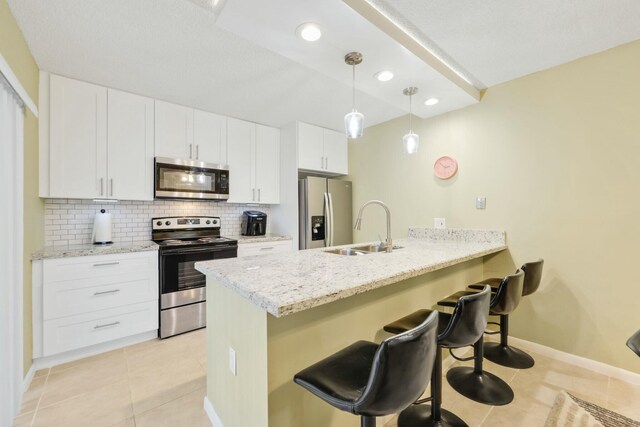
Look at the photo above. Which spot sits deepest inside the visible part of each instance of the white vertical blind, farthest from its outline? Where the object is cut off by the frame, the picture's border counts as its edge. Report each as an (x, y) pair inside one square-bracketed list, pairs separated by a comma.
[(11, 245)]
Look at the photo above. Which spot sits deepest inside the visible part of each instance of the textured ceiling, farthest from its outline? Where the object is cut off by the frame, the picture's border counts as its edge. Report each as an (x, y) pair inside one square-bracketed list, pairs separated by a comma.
[(499, 40), (172, 50)]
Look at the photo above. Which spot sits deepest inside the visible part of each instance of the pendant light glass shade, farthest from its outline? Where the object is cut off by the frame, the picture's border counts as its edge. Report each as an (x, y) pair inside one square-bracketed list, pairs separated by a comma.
[(411, 141), (354, 121), (354, 124)]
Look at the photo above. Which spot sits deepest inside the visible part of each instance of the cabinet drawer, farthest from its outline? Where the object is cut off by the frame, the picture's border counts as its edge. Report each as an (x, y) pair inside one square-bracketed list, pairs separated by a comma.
[(74, 332), (95, 266), (249, 249), (73, 297)]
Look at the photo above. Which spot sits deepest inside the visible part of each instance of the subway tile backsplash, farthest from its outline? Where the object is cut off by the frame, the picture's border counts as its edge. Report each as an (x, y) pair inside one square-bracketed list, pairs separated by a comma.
[(70, 222)]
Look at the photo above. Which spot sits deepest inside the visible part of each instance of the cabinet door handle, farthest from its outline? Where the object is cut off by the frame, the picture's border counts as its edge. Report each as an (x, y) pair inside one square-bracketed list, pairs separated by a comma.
[(326, 163), (254, 195), (102, 186), (258, 194), (106, 263), (112, 291), (106, 325), (197, 151), (111, 185), (322, 162), (191, 151), (266, 248)]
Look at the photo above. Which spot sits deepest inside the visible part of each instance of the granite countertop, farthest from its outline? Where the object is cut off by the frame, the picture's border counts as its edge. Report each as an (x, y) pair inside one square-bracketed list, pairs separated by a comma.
[(287, 283), (258, 239), (69, 251)]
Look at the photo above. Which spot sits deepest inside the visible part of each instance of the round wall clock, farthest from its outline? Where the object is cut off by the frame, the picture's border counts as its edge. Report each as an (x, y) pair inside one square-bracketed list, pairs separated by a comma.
[(445, 167)]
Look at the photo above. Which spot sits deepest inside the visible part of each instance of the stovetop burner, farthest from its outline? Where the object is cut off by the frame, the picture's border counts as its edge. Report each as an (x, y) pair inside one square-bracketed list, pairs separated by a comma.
[(188, 231)]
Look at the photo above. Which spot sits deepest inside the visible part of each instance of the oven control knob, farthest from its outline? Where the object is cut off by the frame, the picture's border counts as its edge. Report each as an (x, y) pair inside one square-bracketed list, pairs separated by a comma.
[(159, 223), (167, 223), (208, 221)]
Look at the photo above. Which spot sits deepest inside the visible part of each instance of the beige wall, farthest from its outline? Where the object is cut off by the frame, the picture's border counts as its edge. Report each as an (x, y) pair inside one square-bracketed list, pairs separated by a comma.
[(14, 49), (557, 154)]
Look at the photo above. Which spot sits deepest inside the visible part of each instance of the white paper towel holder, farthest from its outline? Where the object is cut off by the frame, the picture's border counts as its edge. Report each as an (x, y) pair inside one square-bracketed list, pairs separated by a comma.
[(102, 229)]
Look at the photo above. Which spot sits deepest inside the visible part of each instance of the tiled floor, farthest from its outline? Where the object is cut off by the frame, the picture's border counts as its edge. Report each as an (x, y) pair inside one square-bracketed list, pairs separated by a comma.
[(162, 384)]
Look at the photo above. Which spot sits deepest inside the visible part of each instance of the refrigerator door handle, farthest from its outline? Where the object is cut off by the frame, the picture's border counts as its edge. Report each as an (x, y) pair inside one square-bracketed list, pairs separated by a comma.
[(327, 217), (331, 216)]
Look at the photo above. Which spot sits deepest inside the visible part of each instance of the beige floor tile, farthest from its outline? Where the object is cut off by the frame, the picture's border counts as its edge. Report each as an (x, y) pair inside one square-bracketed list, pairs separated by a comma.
[(23, 420), (105, 406), (624, 398), (84, 377), (94, 362), (531, 391), (153, 387), (187, 411), (168, 353), (41, 372), (129, 422), (512, 416), (473, 413), (32, 396)]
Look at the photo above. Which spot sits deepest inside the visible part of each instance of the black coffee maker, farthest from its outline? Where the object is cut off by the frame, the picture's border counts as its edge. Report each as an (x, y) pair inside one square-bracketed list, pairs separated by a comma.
[(254, 223)]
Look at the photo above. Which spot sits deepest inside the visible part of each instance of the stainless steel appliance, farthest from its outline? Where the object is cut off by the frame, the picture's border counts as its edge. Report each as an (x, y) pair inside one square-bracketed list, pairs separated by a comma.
[(190, 179), (325, 212), (254, 223), (183, 242)]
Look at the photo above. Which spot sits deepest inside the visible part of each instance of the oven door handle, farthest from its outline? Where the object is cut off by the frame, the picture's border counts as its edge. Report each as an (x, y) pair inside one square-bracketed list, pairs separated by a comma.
[(197, 250)]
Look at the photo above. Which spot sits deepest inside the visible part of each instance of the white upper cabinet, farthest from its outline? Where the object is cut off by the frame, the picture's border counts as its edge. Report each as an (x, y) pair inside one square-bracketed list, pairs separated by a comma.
[(77, 139), (254, 167), (209, 137), (100, 142), (322, 150), (173, 130), (185, 133), (267, 172), (130, 146)]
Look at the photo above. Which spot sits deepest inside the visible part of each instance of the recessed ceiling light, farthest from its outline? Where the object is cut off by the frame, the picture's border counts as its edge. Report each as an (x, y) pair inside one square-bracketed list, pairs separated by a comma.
[(431, 101), (383, 76), (309, 32)]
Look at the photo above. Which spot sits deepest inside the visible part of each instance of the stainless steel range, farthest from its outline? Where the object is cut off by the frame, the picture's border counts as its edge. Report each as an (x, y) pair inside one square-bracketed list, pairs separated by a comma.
[(183, 242)]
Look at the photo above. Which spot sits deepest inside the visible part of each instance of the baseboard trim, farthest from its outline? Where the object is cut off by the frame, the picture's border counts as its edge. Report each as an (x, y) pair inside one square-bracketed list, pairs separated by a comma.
[(594, 365), (211, 413), (26, 383), (81, 353)]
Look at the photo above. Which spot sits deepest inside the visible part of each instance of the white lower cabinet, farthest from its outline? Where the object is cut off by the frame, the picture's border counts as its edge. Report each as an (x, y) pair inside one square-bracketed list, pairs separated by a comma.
[(83, 301), (264, 248)]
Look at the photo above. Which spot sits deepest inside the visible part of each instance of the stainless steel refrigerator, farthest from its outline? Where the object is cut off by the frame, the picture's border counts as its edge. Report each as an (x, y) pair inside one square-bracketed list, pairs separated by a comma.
[(325, 213)]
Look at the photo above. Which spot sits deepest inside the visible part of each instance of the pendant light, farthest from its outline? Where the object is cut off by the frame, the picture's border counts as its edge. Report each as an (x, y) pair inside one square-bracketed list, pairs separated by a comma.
[(410, 140), (354, 121)]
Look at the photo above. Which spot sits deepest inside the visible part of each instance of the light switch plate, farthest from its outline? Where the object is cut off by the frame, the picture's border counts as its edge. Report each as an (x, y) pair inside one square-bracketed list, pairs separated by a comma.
[(481, 202), (439, 223), (233, 362)]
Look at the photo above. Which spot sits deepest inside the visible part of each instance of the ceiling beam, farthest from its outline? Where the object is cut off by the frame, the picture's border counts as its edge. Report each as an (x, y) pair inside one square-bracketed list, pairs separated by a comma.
[(393, 30)]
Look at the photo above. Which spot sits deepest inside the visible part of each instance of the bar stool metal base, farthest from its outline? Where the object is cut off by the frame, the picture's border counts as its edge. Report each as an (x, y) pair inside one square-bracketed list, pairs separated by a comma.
[(420, 416), (507, 356), (483, 387), (367, 421)]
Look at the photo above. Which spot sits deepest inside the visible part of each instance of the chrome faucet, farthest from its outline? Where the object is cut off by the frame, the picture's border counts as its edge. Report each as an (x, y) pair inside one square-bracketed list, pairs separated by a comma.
[(389, 244)]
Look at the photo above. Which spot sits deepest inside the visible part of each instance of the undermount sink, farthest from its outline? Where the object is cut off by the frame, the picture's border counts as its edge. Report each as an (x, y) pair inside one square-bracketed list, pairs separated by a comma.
[(361, 250)]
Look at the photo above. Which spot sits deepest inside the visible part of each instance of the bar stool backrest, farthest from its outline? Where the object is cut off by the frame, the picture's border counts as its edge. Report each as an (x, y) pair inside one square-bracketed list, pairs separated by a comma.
[(401, 370), (468, 320), (532, 276), (634, 343), (508, 294)]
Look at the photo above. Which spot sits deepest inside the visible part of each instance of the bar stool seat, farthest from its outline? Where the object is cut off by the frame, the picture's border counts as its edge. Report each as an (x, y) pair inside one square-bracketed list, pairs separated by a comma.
[(461, 328), (373, 380), (474, 382)]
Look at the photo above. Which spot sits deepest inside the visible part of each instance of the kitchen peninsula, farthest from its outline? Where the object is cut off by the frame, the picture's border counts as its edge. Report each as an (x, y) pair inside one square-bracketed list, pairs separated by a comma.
[(271, 316)]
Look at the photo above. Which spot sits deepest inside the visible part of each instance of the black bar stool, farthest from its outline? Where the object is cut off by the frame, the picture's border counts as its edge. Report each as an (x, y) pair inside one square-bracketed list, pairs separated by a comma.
[(501, 353), (373, 380), (474, 382), (461, 328), (634, 343)]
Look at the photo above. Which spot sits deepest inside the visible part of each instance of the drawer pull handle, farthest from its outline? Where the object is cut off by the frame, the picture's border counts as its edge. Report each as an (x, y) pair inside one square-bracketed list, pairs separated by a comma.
[(113, 291), (107, 325), (266, 248), (106, 263)]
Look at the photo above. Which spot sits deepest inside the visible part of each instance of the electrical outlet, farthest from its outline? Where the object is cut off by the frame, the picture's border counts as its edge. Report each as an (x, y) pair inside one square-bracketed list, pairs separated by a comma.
[(481, 202), (233, 362), (439, 223)]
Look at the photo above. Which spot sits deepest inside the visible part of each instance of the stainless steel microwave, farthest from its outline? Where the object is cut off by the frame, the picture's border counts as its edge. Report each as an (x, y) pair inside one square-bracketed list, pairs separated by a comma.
[(190, 179)]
